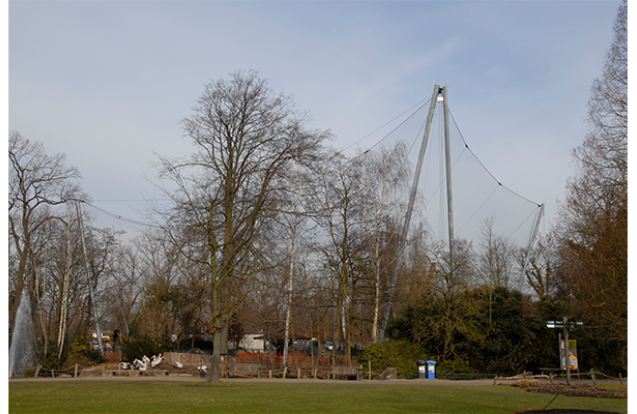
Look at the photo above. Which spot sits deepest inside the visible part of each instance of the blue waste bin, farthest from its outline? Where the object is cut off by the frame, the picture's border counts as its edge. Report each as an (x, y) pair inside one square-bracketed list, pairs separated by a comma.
[(431, 369)]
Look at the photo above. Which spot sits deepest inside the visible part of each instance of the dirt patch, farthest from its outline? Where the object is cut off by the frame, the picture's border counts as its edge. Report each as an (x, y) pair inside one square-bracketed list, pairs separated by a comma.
[(565, 411), (579, 390)]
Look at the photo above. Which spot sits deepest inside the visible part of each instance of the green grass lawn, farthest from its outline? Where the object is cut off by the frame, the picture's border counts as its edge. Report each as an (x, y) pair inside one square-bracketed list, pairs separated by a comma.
[(200, 397)]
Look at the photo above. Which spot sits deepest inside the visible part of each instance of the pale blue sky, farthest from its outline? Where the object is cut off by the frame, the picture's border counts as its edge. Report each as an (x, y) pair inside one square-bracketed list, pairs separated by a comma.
[(107, 82)]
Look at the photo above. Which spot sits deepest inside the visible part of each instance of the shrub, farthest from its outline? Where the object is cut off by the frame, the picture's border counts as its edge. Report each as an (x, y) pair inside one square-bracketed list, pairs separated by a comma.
[(136, 348), (401, 354), (51, 361), (82, 353), (454, 366)]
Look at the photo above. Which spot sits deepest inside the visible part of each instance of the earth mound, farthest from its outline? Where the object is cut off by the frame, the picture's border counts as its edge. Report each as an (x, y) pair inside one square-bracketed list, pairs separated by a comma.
[(578, 390)]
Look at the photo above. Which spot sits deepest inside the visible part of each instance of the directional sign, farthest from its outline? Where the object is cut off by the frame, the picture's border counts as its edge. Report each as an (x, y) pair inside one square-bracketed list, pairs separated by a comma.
[(560, 324), (567, 326)]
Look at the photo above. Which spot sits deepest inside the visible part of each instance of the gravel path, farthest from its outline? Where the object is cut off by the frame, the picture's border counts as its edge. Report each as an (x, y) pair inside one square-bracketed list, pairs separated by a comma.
[(191, 378)]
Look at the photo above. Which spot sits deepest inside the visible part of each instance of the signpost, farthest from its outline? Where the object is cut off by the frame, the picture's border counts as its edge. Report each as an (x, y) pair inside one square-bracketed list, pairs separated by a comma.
[(566, 326)]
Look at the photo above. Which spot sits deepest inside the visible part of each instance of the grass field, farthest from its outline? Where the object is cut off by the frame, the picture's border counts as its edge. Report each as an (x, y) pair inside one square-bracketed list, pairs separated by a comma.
[(200, 397)]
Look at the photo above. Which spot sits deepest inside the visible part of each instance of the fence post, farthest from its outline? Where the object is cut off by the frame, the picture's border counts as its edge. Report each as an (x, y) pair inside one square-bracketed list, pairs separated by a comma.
[(369, 366), (75, 375), (593, 376), (620, 379), (551, 377)]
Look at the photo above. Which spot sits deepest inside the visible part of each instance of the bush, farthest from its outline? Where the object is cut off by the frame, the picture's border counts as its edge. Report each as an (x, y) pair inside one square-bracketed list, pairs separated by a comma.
[(136, 348), (402, 355), (51, 361), (82, 353), (455, 366)]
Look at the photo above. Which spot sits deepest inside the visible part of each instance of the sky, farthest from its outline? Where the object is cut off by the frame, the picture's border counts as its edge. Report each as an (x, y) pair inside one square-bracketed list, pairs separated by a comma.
[(108, 82)]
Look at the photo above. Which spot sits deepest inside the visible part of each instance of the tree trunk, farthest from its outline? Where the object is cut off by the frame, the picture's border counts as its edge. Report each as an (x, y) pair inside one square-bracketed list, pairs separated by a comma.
[(376, 305), (64, 296), (216, 335), (215, 360)]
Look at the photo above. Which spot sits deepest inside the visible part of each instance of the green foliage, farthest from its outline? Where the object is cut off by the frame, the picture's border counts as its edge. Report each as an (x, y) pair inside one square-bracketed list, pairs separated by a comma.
[(51, 361), (29, 372), (501, 331), (136, 348), (490, 331), (400, 354), (81, 352), (599, 351), (454, 366)]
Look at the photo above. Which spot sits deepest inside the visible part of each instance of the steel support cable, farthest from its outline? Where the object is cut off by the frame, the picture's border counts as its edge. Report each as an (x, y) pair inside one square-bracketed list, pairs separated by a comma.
[(420, 105), (443, 180), (132, 200), (524, 221), (498, 185), (416, 137), (483, 166), (535, 224), (119, 217), (495, 179), (440, 162), (404, 160)]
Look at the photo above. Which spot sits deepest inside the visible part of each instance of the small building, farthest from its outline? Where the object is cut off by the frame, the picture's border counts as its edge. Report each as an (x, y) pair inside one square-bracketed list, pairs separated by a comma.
[(251, 342)]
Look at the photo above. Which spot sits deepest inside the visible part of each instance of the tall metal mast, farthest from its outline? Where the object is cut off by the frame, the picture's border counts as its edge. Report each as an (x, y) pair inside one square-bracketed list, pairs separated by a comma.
[(536, 227), (410, 207), (449, 181)]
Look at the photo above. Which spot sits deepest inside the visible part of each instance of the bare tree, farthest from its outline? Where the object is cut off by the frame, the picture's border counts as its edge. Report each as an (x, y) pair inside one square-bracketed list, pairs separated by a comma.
[(161, 270), (449, 288), (383, 176), (592, 235), (37, 182), (125, 286), (226, 191), (333, 203), (540, 275), (496, 262)]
